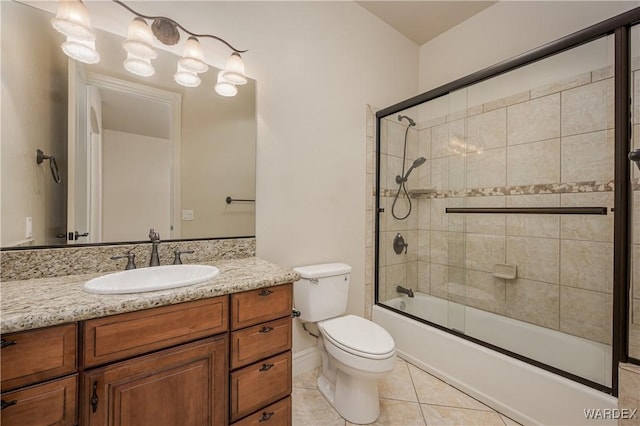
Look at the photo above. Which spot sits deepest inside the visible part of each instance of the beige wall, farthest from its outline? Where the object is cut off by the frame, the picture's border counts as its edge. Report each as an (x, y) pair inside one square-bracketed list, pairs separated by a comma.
[(136, 178), (218, 160), (505, 30), (27, 189)]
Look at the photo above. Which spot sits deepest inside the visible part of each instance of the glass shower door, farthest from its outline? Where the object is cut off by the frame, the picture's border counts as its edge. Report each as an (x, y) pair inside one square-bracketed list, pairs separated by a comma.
[(487, 248), (540, 280), (634, 296)]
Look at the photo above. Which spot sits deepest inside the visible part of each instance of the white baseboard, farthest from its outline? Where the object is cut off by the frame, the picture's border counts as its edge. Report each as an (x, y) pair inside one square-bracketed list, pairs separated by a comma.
[(305, 360)]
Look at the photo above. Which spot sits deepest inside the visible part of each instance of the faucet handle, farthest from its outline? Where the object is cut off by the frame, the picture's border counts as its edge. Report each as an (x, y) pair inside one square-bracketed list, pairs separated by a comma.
[(177, 253), (131, 260)]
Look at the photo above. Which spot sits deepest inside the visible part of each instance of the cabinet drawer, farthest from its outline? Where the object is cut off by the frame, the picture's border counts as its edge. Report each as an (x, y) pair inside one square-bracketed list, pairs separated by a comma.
[(126, 335), (260, 384), (278, 414), (37, 355), (260, 341), (256, 306), (50, 403)]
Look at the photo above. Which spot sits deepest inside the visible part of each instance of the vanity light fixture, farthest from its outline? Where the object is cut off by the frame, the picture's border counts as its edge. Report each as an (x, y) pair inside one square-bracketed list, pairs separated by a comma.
[(72, 20)]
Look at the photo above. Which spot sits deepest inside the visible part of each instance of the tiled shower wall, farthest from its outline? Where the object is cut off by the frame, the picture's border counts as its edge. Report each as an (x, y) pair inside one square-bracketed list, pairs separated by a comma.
[(549, 146)]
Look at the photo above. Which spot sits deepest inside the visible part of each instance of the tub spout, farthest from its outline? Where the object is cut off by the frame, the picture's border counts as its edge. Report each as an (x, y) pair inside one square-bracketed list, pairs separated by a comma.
[(406, 291)]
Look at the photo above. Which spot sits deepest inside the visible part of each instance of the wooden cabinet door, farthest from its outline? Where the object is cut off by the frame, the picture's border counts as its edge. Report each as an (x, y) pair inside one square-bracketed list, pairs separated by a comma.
[(184, 385)]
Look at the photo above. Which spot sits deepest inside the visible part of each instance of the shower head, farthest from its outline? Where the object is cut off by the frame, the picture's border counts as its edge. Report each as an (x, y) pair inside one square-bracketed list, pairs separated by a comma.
[(417, 163), (409, 119)]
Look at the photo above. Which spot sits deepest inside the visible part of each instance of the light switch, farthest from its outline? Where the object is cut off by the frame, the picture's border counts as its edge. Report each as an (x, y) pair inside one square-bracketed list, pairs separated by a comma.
[(187, 214)]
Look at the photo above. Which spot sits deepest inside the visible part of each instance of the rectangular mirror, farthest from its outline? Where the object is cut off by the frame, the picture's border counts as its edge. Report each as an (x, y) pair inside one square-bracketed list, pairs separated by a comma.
[(132, 153)]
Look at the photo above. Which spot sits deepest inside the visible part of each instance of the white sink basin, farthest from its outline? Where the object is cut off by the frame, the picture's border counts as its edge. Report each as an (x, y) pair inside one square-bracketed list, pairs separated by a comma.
[(151, 279)]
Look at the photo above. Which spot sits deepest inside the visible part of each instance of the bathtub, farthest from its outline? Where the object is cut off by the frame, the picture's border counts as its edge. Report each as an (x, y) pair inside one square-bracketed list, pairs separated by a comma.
[(528, 394)]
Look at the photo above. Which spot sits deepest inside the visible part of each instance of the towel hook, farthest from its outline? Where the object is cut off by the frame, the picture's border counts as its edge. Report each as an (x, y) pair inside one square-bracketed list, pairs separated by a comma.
[(41, 156)]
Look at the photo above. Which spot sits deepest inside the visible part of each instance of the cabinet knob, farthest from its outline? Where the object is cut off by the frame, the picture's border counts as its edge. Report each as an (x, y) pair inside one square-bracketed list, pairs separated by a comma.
[(6, 404), (266, 329), (266, 416), (266, 367), (265, 292)]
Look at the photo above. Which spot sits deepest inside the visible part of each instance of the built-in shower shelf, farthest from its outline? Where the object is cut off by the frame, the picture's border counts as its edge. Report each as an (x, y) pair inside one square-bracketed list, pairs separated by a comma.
[(505, 271), (421, 191)]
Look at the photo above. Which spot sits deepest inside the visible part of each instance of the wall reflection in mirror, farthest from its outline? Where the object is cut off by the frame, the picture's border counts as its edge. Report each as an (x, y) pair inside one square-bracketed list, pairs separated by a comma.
[(133, 153)]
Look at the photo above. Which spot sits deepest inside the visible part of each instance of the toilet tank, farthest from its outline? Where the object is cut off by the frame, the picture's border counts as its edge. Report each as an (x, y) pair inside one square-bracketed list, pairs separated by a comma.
[(322, 291)]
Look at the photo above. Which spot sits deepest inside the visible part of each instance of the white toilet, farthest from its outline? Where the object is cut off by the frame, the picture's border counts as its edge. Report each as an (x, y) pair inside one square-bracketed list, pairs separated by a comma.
[(355, 351)]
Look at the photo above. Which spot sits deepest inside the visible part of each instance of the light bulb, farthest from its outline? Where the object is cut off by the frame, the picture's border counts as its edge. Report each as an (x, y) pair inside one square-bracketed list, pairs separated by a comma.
[(193, 57), (186, 78), (139, 40), (139, 66), (72, 20), (81, 50), (234, 70), (224, 88)]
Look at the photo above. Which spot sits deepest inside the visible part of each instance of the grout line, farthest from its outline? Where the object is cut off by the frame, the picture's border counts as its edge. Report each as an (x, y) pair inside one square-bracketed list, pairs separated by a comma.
[(413, 384), (452, 406)]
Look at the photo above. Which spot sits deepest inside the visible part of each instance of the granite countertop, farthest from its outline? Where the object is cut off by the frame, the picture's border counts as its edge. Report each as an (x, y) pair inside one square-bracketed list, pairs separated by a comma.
[(42, 302)]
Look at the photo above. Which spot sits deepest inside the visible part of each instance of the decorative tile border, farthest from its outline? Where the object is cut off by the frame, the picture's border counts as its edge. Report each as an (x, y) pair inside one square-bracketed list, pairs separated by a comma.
[(58, 262), (553, 188)]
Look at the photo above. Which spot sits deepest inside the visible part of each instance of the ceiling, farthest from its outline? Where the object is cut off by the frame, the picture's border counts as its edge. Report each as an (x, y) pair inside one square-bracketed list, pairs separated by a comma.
[(421, 21)]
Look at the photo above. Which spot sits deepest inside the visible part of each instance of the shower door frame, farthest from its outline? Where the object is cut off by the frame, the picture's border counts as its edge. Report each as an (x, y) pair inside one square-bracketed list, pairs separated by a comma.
[(618, 26)]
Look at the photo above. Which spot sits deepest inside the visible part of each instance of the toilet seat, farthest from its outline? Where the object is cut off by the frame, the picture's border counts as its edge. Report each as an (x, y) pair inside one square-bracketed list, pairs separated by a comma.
[(358, 336)]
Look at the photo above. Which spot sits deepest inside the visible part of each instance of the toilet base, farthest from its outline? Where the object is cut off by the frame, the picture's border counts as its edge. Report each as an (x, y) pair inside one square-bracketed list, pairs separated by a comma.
[(354, 398)]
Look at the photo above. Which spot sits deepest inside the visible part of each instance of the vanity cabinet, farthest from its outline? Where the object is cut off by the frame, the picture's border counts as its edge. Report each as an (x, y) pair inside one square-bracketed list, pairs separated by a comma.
[(176, 381), (261, 366), (39, 379), (211, 362)]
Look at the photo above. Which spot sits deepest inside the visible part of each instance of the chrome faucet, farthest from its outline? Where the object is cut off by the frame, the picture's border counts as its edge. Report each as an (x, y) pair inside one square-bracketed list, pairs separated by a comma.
[(155, 241), (406, 291)]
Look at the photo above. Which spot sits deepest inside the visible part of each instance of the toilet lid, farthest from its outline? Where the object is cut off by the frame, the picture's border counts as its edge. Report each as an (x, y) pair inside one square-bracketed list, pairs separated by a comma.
[(358, 336)]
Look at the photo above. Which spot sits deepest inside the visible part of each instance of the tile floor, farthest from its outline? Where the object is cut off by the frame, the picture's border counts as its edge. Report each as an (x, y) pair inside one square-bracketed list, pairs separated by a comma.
[(408, 397)]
